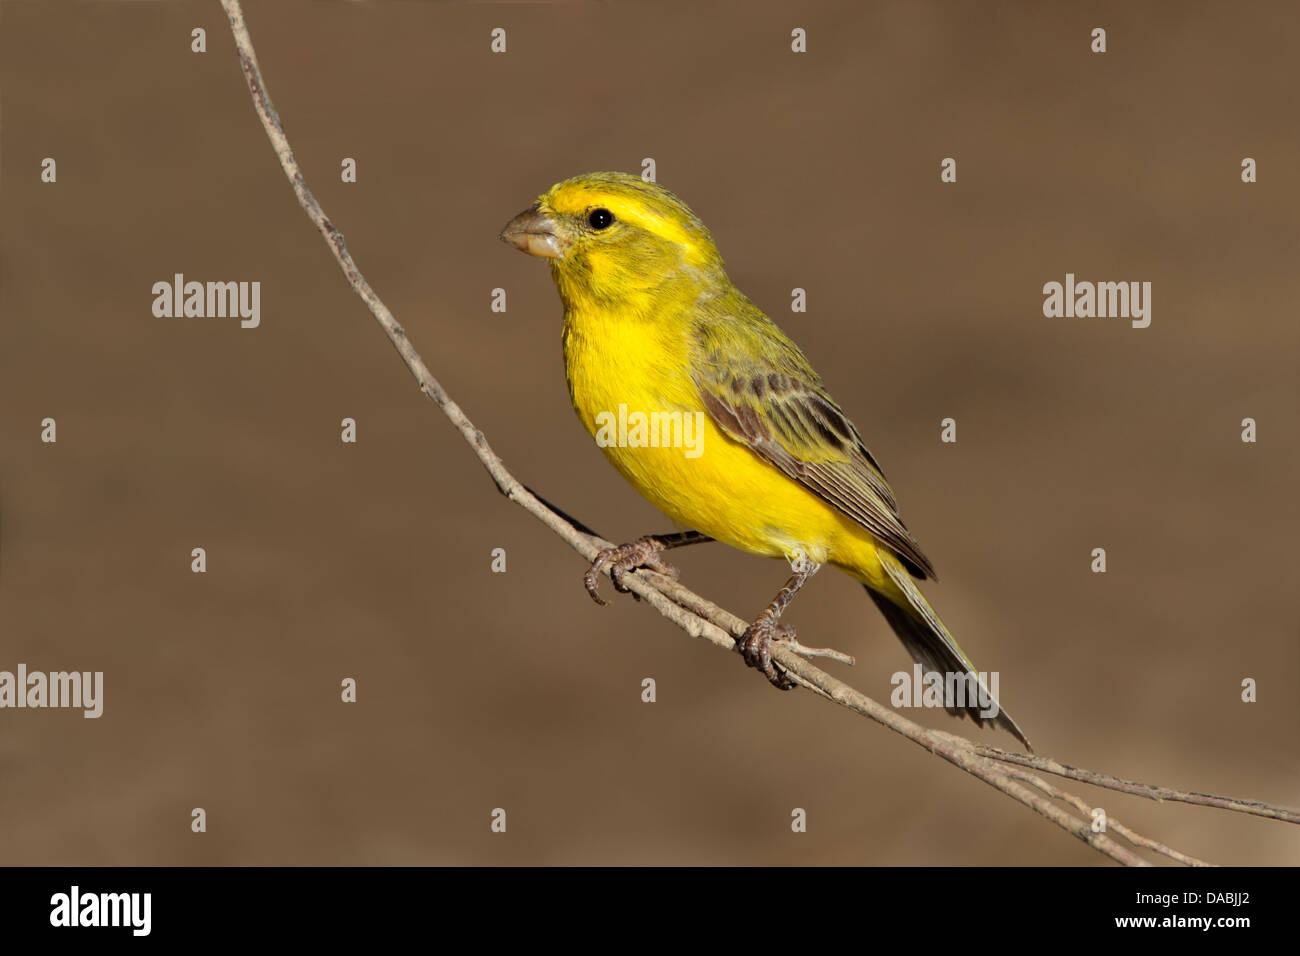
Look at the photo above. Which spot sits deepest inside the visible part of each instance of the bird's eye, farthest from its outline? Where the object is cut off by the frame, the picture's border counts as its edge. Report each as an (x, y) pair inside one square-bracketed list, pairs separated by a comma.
[(600, 218)]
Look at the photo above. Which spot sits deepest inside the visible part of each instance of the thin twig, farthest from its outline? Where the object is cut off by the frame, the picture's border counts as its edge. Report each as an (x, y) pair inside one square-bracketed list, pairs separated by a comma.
[(1056, 793), (1150, 791), (698, 616)]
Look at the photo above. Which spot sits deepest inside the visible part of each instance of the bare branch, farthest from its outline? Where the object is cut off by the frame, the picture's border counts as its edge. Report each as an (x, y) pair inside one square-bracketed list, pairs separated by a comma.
[(1111, 823), (701, 618), (1150, 791)]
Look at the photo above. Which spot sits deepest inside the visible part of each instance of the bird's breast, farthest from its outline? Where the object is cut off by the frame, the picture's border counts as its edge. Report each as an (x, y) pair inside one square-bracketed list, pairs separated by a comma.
[(631, 386), (633, 363)]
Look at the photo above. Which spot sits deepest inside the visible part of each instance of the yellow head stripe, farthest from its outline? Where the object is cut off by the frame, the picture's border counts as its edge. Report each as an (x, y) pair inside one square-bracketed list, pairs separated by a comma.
[(647, 205)]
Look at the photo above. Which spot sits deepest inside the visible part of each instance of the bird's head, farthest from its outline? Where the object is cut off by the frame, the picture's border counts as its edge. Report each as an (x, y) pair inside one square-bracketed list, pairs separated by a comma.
[(614, 239)]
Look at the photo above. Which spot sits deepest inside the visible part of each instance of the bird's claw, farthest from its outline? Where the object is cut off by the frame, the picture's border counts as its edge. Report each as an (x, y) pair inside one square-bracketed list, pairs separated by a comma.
[(623, 559), (755, 646)]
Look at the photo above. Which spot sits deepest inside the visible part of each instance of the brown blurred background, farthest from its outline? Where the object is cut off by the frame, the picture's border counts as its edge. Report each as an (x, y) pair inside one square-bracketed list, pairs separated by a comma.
[(481, 690)]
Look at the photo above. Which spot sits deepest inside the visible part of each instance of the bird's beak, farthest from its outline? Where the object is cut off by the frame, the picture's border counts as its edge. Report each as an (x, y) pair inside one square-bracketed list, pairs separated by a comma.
[(534, 232)]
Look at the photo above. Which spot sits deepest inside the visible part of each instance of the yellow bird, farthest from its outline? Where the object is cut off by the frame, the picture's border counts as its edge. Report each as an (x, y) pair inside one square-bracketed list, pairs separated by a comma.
[(716, 417)]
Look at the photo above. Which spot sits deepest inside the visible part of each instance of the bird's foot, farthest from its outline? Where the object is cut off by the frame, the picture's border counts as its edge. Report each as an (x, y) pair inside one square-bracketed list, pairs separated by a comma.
[(755, 646), (642, 553)]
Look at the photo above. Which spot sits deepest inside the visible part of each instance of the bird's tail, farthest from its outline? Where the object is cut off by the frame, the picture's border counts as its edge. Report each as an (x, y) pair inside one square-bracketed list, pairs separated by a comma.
[(930, 644)]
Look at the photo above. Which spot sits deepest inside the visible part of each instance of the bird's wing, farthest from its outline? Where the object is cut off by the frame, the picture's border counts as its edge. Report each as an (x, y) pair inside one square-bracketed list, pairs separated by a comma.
[(781, 412)]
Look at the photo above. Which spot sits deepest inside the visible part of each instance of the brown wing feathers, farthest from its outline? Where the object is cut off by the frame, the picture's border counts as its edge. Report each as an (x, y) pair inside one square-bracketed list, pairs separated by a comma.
[(797, 427)]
